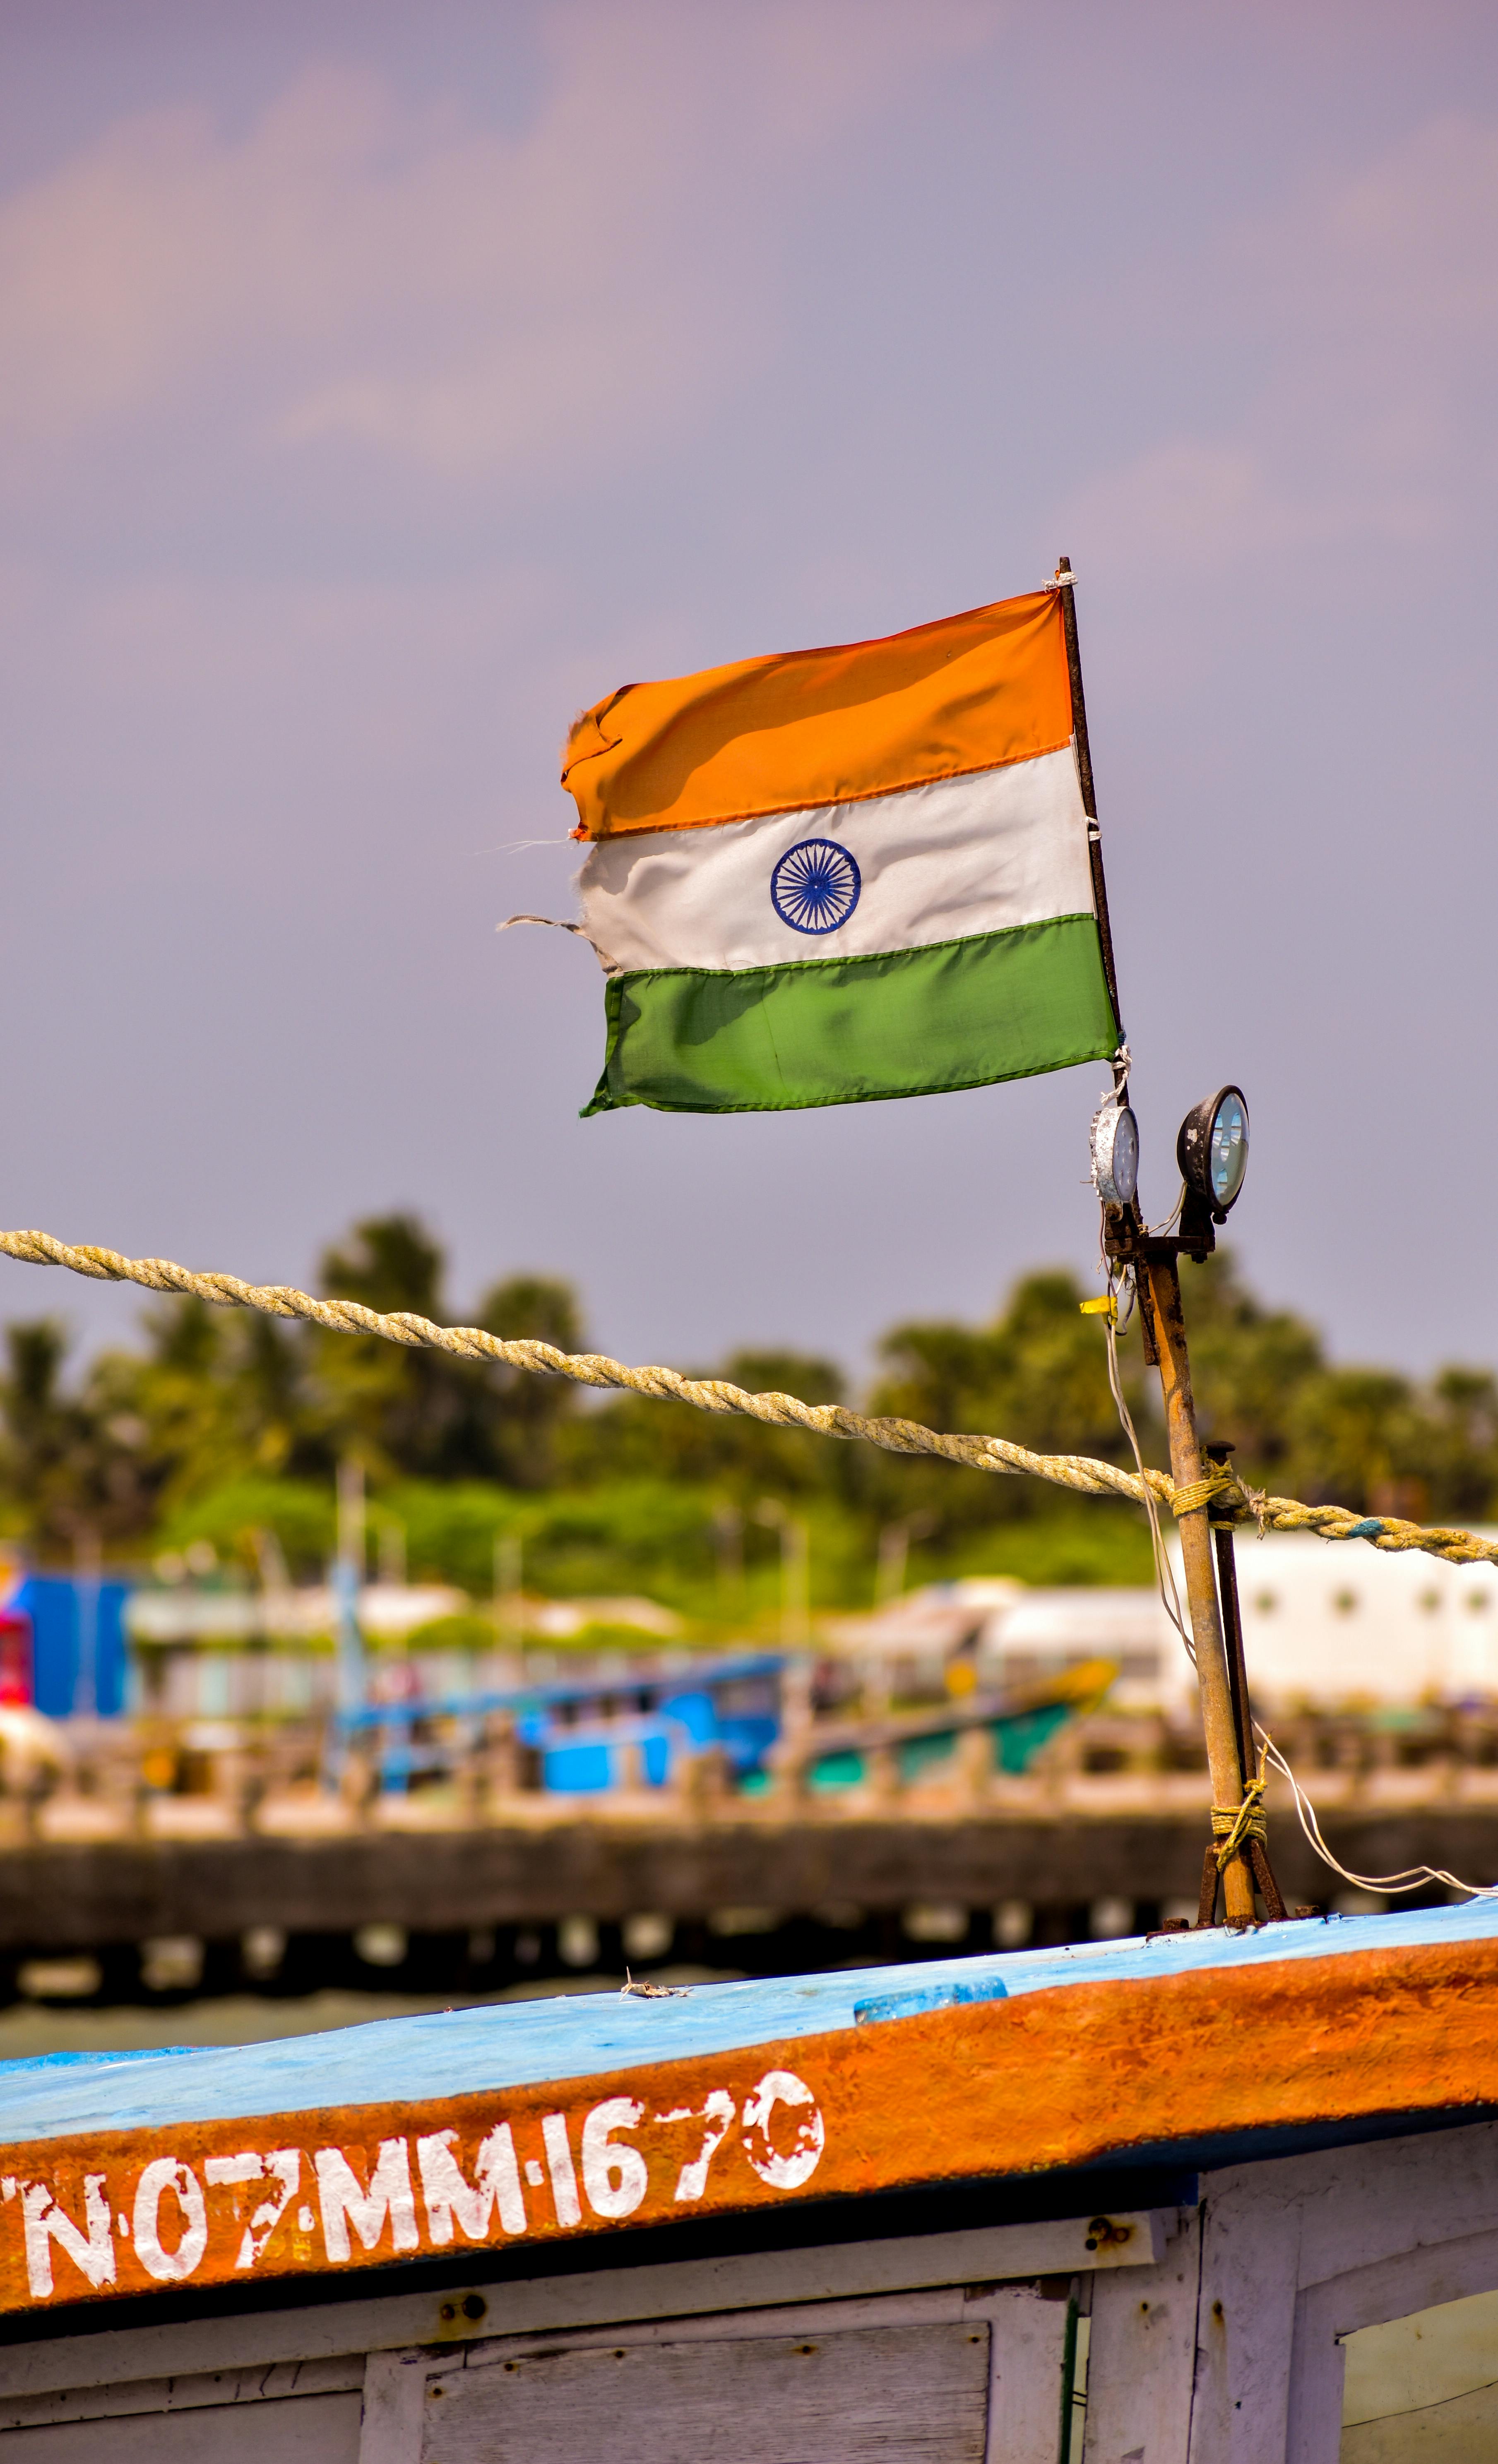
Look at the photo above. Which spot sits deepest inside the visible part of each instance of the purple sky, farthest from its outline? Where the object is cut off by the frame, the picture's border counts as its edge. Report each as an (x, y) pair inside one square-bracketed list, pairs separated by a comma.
[(378, 384)]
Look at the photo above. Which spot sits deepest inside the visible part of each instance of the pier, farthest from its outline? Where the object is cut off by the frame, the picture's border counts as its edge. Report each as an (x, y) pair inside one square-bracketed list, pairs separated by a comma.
[(478, 1908)]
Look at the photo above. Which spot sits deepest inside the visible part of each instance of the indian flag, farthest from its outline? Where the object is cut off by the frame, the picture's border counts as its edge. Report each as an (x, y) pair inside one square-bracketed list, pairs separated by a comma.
[(845, 874)]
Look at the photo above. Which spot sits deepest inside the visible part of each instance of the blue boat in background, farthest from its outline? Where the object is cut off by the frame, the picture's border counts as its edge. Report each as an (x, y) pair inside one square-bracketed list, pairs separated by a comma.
[(592, 1736)]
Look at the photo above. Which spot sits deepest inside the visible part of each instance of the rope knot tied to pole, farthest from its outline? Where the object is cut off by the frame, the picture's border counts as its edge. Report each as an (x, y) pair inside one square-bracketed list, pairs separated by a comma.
[(1198, 1493), (1235, 1826)]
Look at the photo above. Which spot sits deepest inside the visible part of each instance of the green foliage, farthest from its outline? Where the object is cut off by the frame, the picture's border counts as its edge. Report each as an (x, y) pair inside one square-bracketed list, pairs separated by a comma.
[(786, 1372), (1246, 1364), (1460, 1459), (742, 1459), (1094, 1540), (612, 1537), (530, 1413), (1038, 1375), (464, 1631), (450, 1530), (423, 1414), (656, 1536), (228, 1427), (1359, 1436), (299, 1514), (74, 1471)]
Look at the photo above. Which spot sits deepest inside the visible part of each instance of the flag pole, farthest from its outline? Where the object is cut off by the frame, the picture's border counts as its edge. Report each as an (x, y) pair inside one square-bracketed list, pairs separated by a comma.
[(1188, 1465), (1158, 1284), (1067, 591)]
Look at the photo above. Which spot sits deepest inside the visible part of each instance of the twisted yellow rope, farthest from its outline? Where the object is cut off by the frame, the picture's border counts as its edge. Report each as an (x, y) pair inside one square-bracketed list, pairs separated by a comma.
[(1082, 1473), (1204, 1492), (1234, 1826)]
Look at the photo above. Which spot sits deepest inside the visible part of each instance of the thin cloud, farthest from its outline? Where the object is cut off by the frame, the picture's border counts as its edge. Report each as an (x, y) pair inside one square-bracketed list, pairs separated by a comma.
[(1367, 308), (358, 271)]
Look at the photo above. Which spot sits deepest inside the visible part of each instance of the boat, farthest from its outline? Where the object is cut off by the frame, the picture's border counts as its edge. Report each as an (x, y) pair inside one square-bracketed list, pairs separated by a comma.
[(1223, 2194), (1192, 2198), (587, 1736)]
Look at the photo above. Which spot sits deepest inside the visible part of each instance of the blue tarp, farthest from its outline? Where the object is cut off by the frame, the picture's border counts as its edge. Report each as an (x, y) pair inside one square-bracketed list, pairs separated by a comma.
[(78, 1642)]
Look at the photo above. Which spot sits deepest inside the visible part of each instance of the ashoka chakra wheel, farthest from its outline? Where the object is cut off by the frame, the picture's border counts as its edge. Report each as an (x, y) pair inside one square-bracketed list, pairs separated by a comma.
[(815, 885)]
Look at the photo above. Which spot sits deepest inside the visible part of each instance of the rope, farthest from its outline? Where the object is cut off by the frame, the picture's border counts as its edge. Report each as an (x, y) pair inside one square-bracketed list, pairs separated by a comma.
[(1077, 1472), (1233, 1826), (1201, 1492), (1084, 1474)]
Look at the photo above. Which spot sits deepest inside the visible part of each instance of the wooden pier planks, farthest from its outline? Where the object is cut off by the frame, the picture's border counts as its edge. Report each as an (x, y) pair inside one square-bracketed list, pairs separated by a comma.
[(81, 1896)]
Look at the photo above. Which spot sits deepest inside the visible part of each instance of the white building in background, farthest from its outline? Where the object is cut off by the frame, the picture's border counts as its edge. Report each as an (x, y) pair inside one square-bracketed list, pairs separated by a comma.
[(1338, 1622), (1327, 1624), (388, 1611), (1040, 1631)]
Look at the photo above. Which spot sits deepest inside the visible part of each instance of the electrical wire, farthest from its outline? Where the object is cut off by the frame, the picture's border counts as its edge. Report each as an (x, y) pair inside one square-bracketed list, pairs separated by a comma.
[(1158, 1231), (1410, 1878), (1164, 1572)]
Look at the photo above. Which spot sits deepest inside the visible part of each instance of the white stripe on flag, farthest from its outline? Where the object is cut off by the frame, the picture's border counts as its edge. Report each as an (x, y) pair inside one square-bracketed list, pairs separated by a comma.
[(936, 862)]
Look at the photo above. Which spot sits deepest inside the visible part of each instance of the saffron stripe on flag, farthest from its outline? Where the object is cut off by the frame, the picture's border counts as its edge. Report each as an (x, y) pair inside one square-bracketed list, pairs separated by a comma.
[(825, 727)]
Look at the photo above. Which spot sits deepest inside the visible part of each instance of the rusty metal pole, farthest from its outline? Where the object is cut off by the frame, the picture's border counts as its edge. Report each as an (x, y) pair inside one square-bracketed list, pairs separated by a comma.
[(1232, 1625), (1238, 1686), (1084, 754), (1187, 1467), (1161, 1319)]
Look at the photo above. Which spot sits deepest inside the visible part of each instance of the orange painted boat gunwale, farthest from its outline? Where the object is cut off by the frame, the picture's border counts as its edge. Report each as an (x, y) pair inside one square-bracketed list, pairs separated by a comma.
[(1242, 2050)]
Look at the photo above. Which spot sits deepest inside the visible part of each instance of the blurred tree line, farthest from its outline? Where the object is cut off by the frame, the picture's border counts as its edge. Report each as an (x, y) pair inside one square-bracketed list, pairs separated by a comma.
[(225, 1427)]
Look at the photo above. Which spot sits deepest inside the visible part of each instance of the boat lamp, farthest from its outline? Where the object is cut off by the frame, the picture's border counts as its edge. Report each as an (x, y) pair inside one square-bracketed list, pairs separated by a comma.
[(1212, 1149), (1115, 1152)]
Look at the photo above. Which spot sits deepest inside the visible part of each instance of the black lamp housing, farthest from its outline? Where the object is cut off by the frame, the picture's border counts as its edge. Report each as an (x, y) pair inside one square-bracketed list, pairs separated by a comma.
[(1212, 1152)]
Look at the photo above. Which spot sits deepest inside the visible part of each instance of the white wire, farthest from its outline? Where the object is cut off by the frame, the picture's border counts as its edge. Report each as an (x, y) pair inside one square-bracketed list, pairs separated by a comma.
[(1410, 1878), (1157, 1231), (1164, 1572), (514, 847)]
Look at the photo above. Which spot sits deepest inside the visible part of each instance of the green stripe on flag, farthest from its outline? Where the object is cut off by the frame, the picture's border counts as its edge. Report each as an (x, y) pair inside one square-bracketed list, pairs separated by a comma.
[(851, 1030)]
